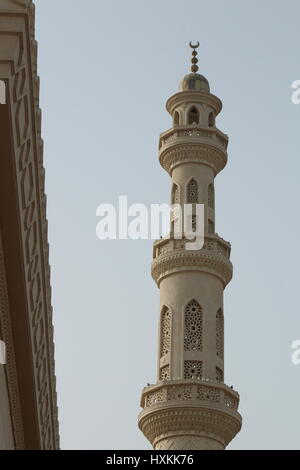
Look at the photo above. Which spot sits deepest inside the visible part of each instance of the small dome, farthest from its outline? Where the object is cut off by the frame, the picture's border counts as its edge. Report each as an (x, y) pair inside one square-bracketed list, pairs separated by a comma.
[(194, 81)]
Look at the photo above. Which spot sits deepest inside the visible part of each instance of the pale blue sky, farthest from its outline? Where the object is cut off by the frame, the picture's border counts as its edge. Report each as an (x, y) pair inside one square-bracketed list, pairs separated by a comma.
[(107, 69)]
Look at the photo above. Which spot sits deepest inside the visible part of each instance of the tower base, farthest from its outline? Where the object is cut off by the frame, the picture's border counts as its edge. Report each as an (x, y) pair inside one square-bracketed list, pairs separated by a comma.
[(189, 415)]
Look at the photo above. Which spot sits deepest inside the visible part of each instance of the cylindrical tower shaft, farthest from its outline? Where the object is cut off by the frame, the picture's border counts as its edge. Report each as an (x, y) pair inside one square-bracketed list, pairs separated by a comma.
[(190, 407)]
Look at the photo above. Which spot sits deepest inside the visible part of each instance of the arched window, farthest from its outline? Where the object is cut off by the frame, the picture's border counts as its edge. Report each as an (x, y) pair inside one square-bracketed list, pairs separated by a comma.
[(165, 331), (211, 196), (2, 92), (193, 326), (176, 118), (193, 116), (192, 192), (220, 334), (211, 120), (219, 375)]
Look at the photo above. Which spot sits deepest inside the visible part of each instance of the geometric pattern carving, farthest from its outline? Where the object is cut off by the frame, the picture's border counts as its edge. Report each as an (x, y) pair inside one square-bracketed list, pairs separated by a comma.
[(230, 401), (200, 391), (154, 397), (193, 369), (165, 373), (192, 192), (196, 260), (220, 334), (191, 135), (208, 393), (185, 415), (200, 153), (165, 335), (163, 249), (23, 96), (164, 423), (193, 327), (179, 392), (211, 243), (222, 250)]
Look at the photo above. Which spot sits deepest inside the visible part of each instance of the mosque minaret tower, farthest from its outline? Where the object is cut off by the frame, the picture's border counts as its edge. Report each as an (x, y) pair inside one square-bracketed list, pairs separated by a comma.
[(190, 407)]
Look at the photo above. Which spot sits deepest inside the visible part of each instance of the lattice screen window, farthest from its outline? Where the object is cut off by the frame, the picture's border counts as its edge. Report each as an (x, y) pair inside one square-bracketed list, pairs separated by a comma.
[(192, 192), (219, 375), (193, 369), (165, 332), (220, 334), (193, 326), (165, 373), (211, 196)]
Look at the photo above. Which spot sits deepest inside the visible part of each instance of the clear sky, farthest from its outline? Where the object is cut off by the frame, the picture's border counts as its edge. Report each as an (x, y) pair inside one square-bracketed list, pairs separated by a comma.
[(107, 69)]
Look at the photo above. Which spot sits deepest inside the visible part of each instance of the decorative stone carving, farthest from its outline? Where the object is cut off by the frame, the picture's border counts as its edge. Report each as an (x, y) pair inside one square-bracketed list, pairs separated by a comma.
[(193, 327), (190, 153), (172, 261), (212, 242), (197, 410), (193, 369), (165, 345), (23, 88), (209, 409), (165, 373), (192, 192)]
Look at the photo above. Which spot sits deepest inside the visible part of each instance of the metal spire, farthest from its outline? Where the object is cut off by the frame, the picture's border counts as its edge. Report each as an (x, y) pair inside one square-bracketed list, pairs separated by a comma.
[(194, 60)]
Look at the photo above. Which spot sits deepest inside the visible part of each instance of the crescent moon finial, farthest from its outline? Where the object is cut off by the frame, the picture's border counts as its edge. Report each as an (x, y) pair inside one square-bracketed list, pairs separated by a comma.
[(194, 67), (194, 46)]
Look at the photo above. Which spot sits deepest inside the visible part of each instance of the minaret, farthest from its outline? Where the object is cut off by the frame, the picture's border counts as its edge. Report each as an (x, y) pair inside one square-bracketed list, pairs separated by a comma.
[(190, 407)]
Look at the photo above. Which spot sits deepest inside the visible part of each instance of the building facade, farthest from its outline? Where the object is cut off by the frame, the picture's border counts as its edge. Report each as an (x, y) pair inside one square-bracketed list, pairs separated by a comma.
[(28, 402), (190, 407)]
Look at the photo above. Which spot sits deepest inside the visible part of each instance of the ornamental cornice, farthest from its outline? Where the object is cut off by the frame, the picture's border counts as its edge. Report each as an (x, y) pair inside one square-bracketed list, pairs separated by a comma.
[(187, 260), (210, 422), (178, 153)]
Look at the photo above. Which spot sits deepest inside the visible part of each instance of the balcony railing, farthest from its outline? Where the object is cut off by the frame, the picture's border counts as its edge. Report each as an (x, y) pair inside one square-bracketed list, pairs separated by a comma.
[(212, 244), (200, 391), (183, 134)]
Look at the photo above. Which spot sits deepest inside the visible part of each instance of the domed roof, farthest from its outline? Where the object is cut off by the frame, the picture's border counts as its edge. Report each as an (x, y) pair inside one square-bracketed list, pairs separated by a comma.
[(194, 81)]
